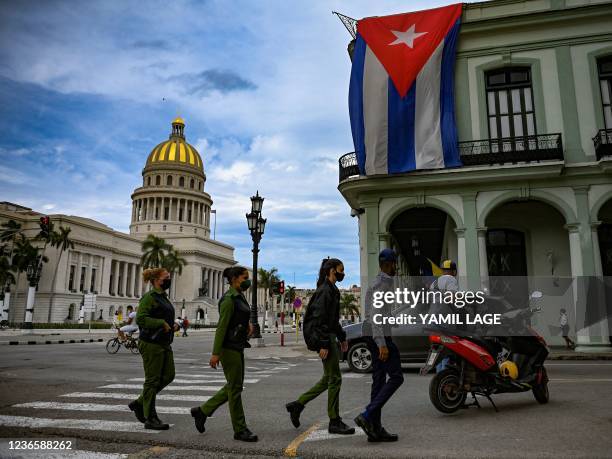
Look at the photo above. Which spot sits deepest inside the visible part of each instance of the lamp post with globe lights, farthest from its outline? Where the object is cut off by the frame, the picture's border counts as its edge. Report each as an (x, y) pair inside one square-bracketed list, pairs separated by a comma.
[(257, 225)]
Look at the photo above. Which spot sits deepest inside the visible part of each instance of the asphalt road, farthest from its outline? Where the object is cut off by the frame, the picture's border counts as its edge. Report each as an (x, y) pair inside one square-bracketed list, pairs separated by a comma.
[(79, 392)]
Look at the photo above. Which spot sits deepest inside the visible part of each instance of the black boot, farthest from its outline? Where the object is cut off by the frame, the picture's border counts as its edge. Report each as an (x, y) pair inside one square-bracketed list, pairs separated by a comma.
[(384, 436), (336, 426), (138, 410), (199, 419), (245, 435), (295, 408), (367, 427), (154, 422)]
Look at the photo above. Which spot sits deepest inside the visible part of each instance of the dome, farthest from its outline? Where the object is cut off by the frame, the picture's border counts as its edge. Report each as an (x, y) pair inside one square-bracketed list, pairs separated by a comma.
[(176, 150)]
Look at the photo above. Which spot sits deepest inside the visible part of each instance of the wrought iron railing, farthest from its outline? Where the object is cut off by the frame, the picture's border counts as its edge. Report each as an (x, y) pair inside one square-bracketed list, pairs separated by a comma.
[(493, 151), (603, 143), (512, 150), (348, 166)]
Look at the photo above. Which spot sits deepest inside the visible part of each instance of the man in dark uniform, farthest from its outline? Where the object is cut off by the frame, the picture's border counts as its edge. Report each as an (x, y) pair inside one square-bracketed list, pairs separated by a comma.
[(385, 355)]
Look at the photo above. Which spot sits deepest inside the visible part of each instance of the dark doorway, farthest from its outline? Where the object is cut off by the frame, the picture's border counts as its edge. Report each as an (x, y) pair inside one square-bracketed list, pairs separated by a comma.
[(419, 232), (507, 262)]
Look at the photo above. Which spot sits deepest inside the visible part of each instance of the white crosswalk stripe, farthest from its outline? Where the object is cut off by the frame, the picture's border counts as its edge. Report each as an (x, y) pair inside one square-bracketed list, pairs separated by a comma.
[(195, 380), (83, 424), (170, 387), (97, 407), (162, 396)]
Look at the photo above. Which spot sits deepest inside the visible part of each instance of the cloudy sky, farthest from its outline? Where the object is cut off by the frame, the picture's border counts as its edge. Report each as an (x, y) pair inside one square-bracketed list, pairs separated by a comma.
[(87, 89)]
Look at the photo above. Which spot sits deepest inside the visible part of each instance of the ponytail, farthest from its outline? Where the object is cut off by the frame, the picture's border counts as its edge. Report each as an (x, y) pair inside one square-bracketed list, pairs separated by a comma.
[(232, 272), (326, 266)]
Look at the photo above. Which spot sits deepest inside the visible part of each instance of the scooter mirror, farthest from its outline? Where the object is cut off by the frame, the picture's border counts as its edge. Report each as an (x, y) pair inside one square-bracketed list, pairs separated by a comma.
[(536, 294)]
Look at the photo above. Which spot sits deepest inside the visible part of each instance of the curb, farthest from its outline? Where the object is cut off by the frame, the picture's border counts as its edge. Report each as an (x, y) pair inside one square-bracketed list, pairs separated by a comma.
[(90, 340), (582, 356)]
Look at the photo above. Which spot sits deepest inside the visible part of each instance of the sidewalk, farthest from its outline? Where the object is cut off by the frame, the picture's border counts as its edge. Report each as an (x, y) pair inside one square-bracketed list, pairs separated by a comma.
[(65, 336), (561, 353)]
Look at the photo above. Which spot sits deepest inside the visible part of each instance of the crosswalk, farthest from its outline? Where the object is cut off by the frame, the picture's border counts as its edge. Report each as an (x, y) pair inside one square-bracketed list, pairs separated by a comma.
[(90, 409)]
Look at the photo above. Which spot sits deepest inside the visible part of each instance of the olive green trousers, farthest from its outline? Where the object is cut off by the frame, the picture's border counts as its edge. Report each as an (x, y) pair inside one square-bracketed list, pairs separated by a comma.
[(330, 382), (233, 368), (158, 362)]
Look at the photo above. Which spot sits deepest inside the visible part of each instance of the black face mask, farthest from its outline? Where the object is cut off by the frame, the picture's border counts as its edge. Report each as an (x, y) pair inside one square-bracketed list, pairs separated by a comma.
[(165, 285), (339, 276)]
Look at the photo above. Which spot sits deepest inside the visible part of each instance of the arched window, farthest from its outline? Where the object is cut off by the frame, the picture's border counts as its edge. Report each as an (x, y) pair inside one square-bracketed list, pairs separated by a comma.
[(149, 181), (182, 181), (200, 186), (192, 183), (169, 180), (158, 180)]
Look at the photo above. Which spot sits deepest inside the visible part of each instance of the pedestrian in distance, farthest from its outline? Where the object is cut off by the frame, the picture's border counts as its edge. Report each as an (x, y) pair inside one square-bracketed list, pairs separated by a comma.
[(155, 318), (231, 338), (564, 324), (322, 332), (185, 326), (387, 374)]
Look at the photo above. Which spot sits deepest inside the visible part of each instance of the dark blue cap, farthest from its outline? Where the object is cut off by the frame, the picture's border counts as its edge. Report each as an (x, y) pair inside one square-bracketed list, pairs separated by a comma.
[(387, 255)]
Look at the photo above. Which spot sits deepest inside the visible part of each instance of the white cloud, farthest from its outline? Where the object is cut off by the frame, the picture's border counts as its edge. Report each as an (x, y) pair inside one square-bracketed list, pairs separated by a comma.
[(239, 172)]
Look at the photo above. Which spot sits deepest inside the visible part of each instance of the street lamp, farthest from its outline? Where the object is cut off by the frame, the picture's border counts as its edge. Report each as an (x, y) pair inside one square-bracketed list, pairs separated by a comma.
[(256, 224)]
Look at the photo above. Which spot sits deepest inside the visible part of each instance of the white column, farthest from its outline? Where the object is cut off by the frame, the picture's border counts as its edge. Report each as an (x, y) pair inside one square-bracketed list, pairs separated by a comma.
[(596, 249), (30, 303), (77, 273), (115, 269), (220, 284), (461, 258), (133, 281), (124, 277), (482, 255)]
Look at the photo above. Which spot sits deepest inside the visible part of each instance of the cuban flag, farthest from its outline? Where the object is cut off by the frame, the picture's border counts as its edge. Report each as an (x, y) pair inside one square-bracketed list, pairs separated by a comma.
[(401, 96)]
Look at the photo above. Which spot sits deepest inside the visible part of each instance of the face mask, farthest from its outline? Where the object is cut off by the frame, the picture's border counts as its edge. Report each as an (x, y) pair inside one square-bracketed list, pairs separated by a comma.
[(245, 284), (165, 285), (339, 276)]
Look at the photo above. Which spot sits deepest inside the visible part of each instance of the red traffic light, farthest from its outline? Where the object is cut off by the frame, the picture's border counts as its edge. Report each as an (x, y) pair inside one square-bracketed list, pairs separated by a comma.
[(281, 287), (44, 220)]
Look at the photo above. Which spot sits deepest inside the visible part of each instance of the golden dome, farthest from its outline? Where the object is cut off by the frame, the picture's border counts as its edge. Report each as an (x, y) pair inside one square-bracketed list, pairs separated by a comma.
[(176, 150)]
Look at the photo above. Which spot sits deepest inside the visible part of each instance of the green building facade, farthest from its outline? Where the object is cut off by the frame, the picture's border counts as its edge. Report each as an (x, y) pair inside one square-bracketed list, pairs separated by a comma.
[(533, 89)]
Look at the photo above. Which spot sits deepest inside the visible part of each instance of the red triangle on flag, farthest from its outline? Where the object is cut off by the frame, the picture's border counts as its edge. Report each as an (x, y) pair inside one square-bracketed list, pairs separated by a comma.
[(404, 42)]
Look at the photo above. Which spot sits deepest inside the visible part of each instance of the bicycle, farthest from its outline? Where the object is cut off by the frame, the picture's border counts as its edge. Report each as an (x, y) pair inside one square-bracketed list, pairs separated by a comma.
[(114, 344)]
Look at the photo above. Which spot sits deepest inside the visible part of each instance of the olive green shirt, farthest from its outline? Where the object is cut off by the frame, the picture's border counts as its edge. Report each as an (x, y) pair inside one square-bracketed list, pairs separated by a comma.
[(226, 310), (143, 316)]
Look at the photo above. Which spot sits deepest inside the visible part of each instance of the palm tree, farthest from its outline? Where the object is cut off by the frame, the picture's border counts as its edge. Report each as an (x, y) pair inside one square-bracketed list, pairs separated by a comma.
[(173, 262), (62, 242), (6, 278), (266, 279), (24, 255), (349, 306), (154, 251)]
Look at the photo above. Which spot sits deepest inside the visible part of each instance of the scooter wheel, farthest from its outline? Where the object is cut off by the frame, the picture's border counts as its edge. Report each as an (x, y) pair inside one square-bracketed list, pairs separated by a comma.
[(445, 393), (540, 391)]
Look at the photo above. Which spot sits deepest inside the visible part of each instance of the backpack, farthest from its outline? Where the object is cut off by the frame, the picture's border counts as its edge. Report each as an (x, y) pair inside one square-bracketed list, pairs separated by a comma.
[(310, 324)]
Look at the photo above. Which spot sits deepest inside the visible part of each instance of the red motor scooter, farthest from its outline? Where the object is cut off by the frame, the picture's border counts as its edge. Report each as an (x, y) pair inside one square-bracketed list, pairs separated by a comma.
[(487, 365)]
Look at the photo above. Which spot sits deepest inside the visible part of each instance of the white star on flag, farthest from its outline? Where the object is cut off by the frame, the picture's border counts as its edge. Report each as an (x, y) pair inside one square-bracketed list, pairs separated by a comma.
[(406, 37)]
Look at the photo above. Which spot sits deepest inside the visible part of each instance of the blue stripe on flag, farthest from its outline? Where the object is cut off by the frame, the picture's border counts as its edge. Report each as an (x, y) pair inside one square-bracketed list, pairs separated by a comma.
[(401, 130), (356, 102), (448, 126)]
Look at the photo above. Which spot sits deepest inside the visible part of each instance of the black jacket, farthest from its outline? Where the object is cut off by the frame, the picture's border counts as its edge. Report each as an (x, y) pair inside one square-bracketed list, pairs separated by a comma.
[(323, 317)]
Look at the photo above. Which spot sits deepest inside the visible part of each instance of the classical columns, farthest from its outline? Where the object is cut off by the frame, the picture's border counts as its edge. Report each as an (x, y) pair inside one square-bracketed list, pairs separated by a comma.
[(124, 278), (115, 269)]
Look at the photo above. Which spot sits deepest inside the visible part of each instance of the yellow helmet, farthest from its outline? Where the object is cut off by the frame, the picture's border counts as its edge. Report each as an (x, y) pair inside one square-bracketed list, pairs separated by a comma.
[(509, 369)]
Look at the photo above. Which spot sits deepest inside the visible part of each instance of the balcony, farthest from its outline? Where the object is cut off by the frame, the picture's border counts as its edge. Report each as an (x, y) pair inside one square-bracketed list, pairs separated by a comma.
[(512, 150), (489, 152), (603, 143)]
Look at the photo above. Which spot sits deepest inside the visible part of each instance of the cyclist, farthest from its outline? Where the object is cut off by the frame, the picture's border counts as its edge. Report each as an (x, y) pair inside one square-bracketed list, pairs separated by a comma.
[(130, 327)]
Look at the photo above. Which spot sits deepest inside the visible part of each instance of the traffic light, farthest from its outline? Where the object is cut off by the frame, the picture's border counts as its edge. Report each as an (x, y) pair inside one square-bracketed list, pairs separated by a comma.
[(278, 288), (45, 227)]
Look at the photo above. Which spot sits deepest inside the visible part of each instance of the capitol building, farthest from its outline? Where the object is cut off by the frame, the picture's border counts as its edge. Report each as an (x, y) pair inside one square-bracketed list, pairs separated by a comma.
[(172, 204)]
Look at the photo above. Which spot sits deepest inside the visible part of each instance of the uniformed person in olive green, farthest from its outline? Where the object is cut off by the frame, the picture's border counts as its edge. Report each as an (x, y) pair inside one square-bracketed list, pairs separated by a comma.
[(155, 318), (231, 337), (322, 332)]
